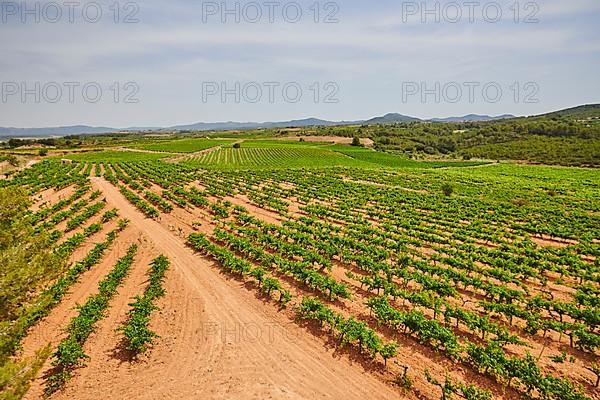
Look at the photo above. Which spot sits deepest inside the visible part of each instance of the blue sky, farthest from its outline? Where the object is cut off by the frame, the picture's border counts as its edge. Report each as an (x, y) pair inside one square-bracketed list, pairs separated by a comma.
[(367, 61)]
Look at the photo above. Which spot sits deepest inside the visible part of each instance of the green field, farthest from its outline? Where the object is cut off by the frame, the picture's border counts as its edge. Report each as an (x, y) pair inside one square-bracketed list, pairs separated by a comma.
[(115, 156), (269, 143), (272, 157), (181, 145), (261, 154)]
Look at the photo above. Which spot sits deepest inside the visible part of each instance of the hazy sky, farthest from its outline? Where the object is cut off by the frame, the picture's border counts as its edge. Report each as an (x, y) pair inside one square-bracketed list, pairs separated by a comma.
[(350, 60)]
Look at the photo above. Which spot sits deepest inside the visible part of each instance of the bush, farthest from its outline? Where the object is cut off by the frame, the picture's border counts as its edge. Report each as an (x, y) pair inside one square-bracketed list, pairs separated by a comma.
[(12, 160), (237, 145), (447, 189), (520, 202)]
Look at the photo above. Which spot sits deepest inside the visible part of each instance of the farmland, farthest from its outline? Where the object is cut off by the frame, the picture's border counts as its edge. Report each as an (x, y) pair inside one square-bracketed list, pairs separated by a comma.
[(181, 145), (367, 275)]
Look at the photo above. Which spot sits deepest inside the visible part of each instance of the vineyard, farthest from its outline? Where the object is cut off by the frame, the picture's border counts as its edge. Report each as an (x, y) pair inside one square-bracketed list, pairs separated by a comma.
[(230, 158), (395, 278), (269, 154), (181, 146)]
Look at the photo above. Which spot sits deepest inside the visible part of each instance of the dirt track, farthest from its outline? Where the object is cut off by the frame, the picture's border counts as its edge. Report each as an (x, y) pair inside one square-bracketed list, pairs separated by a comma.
[(218, 341)]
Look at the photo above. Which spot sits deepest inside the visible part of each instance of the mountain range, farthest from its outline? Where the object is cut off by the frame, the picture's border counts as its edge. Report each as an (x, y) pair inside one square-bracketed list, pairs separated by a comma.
[(473, 118), (232, 125)]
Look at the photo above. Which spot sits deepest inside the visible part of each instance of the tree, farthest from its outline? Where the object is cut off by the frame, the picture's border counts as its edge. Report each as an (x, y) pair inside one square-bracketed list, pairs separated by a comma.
[(43, 152), (356, 141), (237, 145), (12, 143)]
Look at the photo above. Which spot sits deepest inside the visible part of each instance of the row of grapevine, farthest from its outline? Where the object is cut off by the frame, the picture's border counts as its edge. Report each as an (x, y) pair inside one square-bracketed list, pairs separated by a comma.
[(70, 353), (137, 334)]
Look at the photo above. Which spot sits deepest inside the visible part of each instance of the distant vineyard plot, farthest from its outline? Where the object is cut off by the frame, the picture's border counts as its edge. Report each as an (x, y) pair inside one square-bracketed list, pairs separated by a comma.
[(255, 157), (182, 145), (263, 154), (115, 156)]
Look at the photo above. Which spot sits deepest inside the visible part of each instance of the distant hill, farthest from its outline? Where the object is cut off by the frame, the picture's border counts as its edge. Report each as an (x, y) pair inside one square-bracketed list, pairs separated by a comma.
[(581, 112), (473, 118), (215, 126), (231, 125), (200, 126), (55, 131), (390, 119)]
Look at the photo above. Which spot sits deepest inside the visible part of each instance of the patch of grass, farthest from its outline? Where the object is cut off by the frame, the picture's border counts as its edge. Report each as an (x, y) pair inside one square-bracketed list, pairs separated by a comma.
[(16, 376)]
